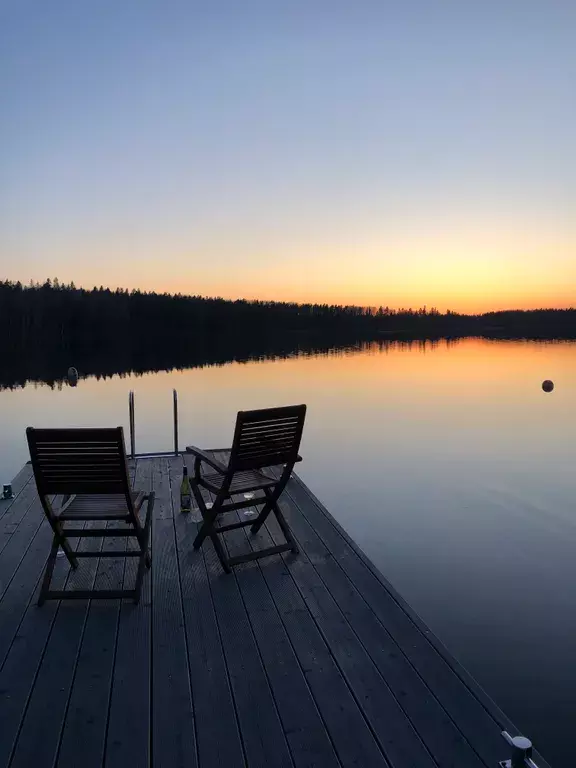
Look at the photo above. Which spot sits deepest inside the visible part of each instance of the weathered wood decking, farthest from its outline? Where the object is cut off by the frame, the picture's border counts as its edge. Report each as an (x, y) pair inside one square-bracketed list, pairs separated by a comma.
[(308, 660)]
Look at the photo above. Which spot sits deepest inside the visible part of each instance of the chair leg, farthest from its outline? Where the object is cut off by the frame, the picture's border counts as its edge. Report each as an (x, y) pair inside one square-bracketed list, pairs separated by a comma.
[(207, 529), (208, 516), (220, 551), (45, 588), (145, 560), (144, 536), (140, 530), (285, 528), (201, 535), (139, 578), (271, 503), (66, 548), (260, 520)]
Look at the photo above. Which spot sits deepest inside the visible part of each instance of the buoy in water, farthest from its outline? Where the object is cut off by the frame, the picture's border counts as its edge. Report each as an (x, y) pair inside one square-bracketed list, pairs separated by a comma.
[(72, 376), (547, 385)]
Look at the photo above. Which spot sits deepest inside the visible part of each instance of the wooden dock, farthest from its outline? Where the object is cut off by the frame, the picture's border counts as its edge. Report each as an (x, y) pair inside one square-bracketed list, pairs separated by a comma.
[(306, 660)]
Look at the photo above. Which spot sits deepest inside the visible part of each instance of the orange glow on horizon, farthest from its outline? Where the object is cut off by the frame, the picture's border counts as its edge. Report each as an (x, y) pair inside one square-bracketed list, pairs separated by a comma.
[(486, 280), (435, 269)]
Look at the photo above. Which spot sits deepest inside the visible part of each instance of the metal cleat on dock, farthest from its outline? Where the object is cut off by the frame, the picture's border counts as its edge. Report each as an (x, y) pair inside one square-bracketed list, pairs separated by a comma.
[(521, 752)]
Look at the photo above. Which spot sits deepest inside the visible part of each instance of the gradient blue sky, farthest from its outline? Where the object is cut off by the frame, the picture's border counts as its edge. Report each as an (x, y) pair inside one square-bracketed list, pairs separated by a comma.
[(403, 153)]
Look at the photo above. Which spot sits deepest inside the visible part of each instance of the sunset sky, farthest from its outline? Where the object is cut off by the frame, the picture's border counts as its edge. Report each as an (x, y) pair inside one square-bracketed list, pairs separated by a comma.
[(371, 152)]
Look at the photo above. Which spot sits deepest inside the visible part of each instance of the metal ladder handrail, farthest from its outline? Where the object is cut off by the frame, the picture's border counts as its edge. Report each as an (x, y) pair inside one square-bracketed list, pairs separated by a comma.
[(131, 424), (132, 427), (175, 405)]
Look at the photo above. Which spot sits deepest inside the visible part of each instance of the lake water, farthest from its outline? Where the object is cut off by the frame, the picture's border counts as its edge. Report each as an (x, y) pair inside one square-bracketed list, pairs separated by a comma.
[(445, 461)]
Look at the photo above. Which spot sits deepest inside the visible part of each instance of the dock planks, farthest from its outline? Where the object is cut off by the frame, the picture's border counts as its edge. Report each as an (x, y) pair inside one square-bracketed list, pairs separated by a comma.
[(293, 660)]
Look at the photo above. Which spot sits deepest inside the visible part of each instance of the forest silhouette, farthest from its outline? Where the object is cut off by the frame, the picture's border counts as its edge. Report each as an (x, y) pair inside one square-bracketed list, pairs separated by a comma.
[(44, 328)]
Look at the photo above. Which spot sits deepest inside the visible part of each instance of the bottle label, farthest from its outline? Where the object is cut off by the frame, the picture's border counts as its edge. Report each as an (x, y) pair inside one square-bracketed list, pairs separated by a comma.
[(185, 502)]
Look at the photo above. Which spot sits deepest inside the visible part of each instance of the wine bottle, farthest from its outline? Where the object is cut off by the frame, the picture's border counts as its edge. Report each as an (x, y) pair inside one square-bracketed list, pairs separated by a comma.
[(185, 492)]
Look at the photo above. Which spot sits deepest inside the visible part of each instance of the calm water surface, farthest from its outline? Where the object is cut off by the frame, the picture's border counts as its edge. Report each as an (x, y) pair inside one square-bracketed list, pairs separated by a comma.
[(446, 463)]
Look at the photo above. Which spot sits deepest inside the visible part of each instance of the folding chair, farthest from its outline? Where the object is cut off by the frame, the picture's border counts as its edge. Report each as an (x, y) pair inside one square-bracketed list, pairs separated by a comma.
[(88, 468), (262, 439)]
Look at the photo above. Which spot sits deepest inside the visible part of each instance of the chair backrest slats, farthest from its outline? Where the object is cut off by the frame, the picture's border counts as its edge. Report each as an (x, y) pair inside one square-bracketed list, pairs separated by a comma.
[(268, 437), (67, 461)]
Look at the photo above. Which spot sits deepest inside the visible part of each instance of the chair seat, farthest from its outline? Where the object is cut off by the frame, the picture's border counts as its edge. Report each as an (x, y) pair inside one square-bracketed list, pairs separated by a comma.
[(247, 480), (99, 506)]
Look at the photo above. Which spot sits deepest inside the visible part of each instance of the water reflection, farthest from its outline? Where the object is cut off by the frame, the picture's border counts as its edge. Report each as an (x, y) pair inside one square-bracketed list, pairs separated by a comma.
[(51, 366), (458, 481), (55, 369)]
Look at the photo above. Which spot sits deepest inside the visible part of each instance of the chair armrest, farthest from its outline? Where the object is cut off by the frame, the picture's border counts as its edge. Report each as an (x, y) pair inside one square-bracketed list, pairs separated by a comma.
[(203, 456), (66, 501), (138, 498)]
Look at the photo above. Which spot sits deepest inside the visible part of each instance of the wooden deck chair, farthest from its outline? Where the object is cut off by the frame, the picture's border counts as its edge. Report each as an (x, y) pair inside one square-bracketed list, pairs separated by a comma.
[(262, 439), (88, 468)]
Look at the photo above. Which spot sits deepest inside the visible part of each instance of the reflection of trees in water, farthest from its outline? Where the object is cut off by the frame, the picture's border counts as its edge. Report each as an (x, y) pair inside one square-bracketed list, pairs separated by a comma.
[(46, 328), (50, 366)]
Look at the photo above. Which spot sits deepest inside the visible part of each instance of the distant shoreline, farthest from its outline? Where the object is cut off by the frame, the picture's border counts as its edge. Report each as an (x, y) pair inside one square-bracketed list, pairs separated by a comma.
[(46, 328)]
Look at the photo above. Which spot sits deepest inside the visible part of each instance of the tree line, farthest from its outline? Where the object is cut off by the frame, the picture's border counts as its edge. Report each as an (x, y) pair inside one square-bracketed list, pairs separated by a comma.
[(50, 325)]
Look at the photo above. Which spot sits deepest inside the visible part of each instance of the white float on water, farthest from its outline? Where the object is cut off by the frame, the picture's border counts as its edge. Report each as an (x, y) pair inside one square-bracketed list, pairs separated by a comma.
[(72, 376)]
